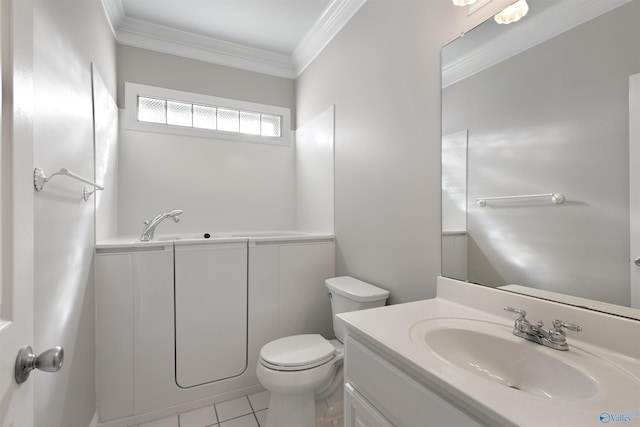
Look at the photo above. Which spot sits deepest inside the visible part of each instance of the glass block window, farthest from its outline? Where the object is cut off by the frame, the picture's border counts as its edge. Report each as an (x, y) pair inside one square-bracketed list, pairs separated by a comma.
[(179, 114), (204, 117), (228, 120), (152, 110), (250, 123), (271, 125), (220, 118)]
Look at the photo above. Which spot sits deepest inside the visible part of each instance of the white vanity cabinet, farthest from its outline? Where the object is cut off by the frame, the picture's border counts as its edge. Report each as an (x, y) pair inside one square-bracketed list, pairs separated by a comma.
[(359, 412), (380, 392)]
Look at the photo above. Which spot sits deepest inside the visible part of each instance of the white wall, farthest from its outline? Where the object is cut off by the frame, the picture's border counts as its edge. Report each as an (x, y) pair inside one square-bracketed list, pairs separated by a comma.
[(382, 72), (314, 174), (221, 185), (105, 113), (143, 66), (68, 36)]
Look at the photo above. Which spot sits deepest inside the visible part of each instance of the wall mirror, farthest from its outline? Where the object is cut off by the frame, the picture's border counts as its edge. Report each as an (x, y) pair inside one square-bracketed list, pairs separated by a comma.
[(538, 194)]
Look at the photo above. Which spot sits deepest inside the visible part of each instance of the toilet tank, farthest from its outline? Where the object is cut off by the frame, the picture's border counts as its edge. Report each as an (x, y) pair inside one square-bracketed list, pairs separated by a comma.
[(349, 294)]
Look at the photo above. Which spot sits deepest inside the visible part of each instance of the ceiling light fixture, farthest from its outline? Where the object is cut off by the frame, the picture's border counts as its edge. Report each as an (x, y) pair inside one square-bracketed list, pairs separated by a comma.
[(463, 3), (512, 13)]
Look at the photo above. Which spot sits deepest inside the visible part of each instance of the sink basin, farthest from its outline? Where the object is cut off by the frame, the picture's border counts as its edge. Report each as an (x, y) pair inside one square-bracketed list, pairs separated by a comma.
[(491, 352)]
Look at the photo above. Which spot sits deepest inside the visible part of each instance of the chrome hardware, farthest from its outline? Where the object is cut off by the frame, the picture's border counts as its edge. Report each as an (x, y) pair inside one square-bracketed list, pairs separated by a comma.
[(637, 261), (557, 324), (522, 327), (557, 337), (40, 179), (556, 198), (554, 338), (150, 226), (522, 313), (48, 361)]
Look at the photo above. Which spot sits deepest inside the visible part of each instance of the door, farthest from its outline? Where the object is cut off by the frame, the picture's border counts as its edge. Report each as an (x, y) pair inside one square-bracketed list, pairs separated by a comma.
[(16, 207), (634, 187)]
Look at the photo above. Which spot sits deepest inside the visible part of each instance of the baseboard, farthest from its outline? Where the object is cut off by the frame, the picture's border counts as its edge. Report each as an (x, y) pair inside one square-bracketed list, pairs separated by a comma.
[(94, 420)]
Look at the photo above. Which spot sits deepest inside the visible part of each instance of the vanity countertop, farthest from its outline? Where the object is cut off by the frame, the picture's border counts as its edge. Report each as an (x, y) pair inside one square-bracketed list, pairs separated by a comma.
[(614, 370)]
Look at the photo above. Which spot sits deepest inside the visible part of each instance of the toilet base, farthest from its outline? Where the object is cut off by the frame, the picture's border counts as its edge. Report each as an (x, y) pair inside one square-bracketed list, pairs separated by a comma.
[(292, 410)]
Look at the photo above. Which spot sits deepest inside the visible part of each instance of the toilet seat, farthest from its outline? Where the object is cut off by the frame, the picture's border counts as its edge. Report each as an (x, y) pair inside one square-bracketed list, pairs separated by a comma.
[(297, 353)]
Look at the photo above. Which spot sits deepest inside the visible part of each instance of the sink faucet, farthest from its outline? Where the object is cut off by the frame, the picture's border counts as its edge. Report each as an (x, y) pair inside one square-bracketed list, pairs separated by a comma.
[(150, 226), (554, 338)]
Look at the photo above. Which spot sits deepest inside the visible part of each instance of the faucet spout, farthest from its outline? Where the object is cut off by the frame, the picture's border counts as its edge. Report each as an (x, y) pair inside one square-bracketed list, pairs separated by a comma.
[(150, 226)]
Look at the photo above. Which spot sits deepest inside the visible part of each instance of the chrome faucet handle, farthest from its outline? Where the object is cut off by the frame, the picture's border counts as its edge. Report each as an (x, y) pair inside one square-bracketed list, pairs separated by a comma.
[(522, 313), (521, 327), (559, 324), (557, 335)]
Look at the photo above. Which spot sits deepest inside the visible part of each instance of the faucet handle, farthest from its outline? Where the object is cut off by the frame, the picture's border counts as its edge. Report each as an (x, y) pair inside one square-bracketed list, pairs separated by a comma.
[(522, 313), (559, 324), (521, 327), (557, 335)]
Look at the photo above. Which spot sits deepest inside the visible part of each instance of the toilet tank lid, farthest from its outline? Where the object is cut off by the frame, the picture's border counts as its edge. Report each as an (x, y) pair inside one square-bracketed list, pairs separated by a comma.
[(355, 289)]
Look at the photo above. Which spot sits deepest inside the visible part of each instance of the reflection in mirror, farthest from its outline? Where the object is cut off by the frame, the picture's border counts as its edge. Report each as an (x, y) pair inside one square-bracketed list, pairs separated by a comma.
[(541, 107), (3, 168)]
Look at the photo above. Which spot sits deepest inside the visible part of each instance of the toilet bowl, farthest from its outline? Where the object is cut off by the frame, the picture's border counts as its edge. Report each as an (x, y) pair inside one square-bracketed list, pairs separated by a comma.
[(301, 368)]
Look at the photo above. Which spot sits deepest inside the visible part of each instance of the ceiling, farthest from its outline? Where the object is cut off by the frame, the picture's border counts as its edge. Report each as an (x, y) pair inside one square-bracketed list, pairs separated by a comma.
[(277, 37)]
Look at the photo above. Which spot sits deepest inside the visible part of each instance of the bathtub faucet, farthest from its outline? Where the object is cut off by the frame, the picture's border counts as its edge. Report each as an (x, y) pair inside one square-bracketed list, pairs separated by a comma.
[(150, 226)]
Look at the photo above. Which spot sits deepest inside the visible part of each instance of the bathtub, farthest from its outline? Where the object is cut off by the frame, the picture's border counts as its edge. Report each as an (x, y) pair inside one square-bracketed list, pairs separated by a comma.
[(162, 322)]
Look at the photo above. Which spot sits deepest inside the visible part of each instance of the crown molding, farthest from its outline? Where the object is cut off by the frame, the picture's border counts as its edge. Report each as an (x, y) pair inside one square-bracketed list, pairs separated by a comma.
[(526, 34), (133, 32), (146, 35), (115, 13), (337, 14)]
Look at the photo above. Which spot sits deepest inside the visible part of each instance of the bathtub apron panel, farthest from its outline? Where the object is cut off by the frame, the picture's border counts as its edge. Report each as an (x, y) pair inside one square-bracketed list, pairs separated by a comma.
[(211, 312)]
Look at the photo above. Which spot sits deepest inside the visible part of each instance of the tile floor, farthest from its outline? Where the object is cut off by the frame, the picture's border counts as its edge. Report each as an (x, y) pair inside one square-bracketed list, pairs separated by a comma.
[(248, 411)]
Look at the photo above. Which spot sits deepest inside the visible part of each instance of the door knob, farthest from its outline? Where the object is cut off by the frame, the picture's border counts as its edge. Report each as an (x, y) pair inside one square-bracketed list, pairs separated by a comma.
[(48, 361), (637, 261)]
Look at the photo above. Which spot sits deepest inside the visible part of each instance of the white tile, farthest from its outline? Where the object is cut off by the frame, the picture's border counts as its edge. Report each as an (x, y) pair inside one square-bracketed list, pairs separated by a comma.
[(246, 421), (233, 408), (202, 417), (262, 417), (259, 401), (164, 422)]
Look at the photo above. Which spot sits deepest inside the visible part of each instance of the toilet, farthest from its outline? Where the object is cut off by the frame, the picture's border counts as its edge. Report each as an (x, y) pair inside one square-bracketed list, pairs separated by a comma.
[(299, 369)]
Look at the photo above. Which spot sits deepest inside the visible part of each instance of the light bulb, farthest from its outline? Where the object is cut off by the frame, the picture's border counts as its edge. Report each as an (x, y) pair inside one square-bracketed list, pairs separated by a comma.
[(463, 3), (512, 13)]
